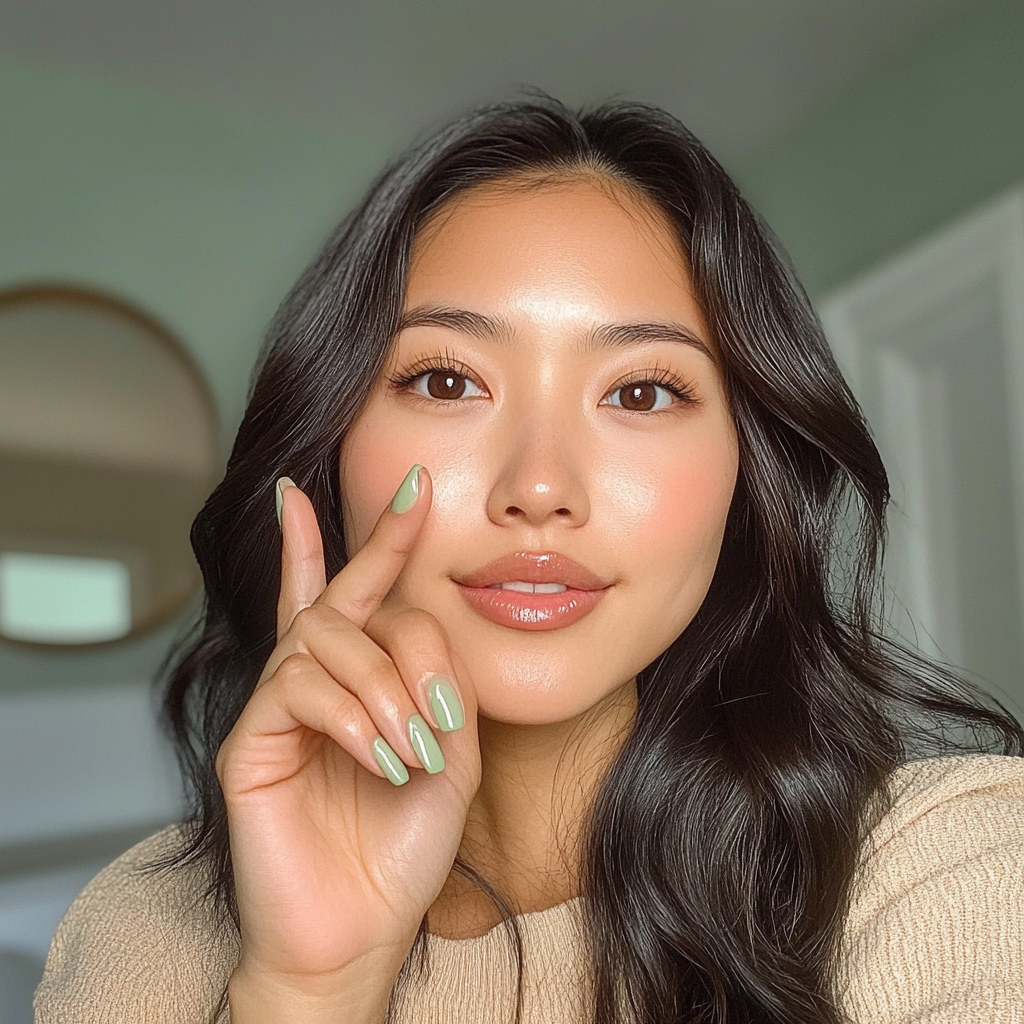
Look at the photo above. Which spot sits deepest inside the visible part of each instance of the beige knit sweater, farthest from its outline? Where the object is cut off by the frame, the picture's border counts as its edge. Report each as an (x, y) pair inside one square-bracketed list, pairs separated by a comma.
[(935, 934)]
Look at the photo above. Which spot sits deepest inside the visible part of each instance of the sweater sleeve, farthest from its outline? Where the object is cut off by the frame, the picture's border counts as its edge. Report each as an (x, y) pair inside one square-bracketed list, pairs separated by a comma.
[(138, 947), (935, 934)]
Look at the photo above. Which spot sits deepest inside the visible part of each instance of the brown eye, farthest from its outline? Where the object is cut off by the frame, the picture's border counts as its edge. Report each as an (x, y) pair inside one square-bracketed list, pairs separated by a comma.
[(445, 384), (643, 396), (639, 397)]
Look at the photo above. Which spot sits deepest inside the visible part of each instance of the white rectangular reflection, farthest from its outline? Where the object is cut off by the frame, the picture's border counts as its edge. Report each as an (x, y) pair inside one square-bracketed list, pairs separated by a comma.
[(63, 599)]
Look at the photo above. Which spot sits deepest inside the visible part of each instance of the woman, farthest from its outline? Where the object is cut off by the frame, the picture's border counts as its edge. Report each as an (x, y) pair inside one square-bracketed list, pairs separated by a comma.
[(602, 667)]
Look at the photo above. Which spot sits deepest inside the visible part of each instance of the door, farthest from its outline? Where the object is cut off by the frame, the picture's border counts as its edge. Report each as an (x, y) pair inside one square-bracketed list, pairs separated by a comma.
[(932, 343)]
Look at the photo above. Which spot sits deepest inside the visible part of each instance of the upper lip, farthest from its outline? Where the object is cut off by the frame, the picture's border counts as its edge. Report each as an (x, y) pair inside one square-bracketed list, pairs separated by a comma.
[(533, 567)]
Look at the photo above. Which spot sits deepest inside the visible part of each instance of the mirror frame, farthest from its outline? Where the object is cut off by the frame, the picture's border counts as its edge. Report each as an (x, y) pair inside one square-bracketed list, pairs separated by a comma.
[(83, 296)]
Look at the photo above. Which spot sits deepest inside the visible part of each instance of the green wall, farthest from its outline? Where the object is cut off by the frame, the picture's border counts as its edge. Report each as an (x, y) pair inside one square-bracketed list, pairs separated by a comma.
[(203, 217), (200, 216), (925, 136)]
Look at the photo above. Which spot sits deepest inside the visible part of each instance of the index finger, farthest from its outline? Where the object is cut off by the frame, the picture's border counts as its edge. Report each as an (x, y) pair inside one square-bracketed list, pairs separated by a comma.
[(360, 588)]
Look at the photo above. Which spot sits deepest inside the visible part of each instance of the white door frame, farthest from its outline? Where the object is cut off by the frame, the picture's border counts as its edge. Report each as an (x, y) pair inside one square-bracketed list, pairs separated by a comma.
[(982, 250)]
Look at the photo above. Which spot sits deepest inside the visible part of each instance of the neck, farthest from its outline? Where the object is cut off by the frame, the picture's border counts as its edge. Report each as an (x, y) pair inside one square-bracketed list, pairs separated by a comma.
[(525, 827)]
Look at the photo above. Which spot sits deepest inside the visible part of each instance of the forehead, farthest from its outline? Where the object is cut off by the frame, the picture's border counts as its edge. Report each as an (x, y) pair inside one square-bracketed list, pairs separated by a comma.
[(587, 238)]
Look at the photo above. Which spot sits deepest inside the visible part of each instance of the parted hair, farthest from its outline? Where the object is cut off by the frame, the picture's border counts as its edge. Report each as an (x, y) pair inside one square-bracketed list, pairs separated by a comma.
[(722, 844)]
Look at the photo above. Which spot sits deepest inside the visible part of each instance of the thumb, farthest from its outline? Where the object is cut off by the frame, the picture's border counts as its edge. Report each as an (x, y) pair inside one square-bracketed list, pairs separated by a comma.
[(303, 576)]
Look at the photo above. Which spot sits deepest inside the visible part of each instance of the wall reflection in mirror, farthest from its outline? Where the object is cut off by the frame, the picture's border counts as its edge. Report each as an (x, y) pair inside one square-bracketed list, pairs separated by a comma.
[(108, 448)]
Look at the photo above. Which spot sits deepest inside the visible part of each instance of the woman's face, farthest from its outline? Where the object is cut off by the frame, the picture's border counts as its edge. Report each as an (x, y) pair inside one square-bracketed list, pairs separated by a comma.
[(556, 378)]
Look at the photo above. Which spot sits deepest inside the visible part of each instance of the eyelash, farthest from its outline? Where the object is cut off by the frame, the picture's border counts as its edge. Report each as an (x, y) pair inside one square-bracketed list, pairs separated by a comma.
[(446, 363)]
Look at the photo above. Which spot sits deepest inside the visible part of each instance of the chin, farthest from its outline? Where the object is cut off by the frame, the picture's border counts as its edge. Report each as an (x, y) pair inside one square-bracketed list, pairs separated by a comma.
[(533, 691), (508, 708)]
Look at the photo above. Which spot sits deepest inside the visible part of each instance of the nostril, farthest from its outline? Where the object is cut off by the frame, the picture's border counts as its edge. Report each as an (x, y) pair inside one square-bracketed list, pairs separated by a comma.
[(515, 510)]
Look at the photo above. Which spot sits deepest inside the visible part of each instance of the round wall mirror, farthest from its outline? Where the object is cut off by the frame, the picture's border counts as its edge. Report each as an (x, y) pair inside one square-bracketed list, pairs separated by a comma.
[(108, 448)]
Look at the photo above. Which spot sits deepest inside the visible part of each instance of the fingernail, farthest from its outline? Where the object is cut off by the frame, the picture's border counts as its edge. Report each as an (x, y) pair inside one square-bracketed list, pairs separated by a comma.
[(390, 763), (282, 483), (425, 745), (406, 495), (446, 706)]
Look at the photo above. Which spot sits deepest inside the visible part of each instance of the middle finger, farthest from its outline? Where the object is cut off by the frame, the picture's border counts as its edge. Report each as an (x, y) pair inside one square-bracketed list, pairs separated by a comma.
[(417, 644)]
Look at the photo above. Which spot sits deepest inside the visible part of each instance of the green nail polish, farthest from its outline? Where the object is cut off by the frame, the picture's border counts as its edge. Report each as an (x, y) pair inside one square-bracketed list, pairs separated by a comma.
[(406, 495), (390, 763), (285, 481), (446, 706), (425, 745)]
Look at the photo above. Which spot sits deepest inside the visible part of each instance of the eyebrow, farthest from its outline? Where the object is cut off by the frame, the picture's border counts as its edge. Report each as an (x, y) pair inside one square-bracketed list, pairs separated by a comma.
[(496, 328), (465, 321)]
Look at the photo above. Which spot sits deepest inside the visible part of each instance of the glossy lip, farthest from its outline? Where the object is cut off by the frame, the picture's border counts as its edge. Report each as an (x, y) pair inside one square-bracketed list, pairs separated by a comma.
[(531, 611), (584, 590), (534, 567)]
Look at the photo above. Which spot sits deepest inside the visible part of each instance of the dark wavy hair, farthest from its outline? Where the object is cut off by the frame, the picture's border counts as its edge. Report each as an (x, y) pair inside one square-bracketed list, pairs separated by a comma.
[(721, 847)]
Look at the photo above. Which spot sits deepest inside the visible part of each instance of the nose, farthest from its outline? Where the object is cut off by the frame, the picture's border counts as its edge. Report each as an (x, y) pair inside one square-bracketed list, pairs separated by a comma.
[(540, 482)]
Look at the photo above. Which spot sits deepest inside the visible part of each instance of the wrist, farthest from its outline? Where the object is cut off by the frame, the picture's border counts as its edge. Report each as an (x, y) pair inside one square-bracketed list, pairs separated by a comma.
[(350, 997)]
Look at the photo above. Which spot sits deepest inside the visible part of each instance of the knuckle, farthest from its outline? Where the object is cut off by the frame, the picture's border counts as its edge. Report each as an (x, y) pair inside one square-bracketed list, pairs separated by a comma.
[(381, 678), (319, 622), (366, 603), (416, 620), (407, 623), (422, 634), (294, 669), (309, 620), (382, 691)]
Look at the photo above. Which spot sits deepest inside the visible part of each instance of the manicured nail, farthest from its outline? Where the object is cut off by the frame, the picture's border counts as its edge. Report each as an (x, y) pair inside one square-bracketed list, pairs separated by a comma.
[(425, 745), (406, 495), (446, 706), (282, 483), (390, 763)]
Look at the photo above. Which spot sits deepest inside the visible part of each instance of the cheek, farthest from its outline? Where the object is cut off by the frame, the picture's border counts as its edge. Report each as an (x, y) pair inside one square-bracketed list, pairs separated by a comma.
[(373, 463), (378, 452), (674, 503)]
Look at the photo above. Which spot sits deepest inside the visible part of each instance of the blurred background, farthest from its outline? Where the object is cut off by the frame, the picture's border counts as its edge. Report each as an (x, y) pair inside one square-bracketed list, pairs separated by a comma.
[(167, 170)]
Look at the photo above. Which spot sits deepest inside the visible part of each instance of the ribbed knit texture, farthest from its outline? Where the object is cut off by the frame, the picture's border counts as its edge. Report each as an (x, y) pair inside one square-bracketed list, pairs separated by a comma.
[(935, 934)]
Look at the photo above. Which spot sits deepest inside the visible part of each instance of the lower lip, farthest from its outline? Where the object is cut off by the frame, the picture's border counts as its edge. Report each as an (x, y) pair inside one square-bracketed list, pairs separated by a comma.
[(517, 610)]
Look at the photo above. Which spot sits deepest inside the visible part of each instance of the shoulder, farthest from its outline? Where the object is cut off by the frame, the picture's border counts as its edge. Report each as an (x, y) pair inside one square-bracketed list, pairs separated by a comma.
[(935, 931), (140, 945)]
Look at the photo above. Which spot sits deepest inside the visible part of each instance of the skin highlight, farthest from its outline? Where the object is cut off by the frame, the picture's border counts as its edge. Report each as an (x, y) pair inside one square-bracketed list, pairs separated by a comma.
[(573, 289)]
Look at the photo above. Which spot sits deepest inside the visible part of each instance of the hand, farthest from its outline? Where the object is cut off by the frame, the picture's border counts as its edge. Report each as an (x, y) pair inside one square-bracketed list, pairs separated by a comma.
[(334, 865)]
